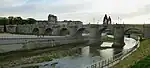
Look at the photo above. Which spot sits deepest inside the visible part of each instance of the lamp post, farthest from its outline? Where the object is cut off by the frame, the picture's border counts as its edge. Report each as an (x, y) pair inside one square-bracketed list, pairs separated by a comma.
[(98, 22)]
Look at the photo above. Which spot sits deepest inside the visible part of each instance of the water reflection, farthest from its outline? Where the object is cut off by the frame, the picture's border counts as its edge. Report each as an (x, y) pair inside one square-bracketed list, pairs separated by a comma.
[(106, 53), (85, 51), (87, 56), (129, 43)]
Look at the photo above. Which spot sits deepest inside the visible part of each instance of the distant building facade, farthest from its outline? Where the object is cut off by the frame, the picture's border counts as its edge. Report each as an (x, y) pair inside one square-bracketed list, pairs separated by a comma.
[(52, 19)]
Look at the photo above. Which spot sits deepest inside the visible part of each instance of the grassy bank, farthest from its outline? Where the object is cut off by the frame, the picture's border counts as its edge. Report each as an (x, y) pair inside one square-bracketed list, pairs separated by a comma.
[(139, 54), (144, 63)]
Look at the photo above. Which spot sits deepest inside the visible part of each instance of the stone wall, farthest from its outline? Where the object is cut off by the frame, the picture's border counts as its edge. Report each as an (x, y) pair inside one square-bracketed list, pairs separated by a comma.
[(1, 29), (36, 44), (27, 29), (11, 28)]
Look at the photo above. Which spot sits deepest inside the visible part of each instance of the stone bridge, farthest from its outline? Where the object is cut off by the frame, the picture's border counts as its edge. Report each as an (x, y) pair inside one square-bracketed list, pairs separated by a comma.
[(56, 30), (94, 30), (69, 29)]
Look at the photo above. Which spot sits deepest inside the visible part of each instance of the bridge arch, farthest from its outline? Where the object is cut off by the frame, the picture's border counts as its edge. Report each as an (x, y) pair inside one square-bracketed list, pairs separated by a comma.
[(133, 30), (82, 31), (48, 31), (108, 31), (64, 32), (103, 30), (35, 31)]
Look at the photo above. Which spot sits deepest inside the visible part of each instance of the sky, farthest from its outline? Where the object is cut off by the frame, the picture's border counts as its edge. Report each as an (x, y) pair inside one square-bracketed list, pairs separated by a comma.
[(127, 11)]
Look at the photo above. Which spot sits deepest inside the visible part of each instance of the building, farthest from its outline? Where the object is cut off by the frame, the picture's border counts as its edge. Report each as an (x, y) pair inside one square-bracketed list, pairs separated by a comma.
[(52, 20)]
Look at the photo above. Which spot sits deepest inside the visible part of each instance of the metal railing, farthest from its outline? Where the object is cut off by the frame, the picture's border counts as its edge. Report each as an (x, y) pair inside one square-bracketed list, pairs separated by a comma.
[(110, 61)]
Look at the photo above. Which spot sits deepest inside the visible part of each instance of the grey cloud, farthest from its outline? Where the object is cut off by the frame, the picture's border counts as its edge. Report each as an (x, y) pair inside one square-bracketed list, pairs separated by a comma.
[(40, 8), (141, 11)]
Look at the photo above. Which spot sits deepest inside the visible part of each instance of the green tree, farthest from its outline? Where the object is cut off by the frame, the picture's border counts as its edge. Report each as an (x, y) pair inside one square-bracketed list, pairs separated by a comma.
[(17, 20), (3, 20), (24, 22), (31, 21), (10, 20)]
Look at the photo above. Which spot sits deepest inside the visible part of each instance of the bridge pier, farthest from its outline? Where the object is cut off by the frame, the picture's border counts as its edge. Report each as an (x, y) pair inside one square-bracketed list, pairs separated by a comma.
[(146, 31), (72, 31), (95, 35), (41, 30), (84, 51), (118, 36), (56, 30)]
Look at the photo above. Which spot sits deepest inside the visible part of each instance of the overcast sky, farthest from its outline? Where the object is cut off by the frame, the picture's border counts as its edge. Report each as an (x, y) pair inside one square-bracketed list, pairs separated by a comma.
[(129, 11)]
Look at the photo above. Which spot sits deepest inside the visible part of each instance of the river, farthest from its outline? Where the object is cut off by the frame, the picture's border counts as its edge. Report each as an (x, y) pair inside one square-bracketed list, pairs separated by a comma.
[(90, 54), (87, 54)]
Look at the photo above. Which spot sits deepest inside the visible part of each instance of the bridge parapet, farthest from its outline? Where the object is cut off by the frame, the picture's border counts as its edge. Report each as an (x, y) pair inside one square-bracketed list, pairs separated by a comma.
[(93, 26), (146, 25), (55, 26)]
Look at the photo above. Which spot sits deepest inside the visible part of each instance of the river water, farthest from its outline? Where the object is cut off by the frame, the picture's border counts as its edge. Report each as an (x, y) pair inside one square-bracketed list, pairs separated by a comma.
[(87, 55), (90, 54)]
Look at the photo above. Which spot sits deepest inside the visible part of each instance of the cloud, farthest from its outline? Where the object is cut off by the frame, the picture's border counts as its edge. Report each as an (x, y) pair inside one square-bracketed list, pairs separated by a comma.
[(10, 3), (84, 10), (39, 8)]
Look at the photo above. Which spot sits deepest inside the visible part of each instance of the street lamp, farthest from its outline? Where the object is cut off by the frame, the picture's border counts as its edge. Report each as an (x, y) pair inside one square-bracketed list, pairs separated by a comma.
[(98, 22)]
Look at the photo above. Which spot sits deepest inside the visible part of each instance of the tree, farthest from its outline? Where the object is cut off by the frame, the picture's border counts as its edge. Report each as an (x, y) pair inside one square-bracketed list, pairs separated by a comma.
[(11, 20), (3, 20), (31, 21), (24, 22), (17, 20)]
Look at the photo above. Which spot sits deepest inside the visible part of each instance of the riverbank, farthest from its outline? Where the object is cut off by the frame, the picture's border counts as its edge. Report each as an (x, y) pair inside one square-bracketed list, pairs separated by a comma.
[(36, 56), (139, 54)]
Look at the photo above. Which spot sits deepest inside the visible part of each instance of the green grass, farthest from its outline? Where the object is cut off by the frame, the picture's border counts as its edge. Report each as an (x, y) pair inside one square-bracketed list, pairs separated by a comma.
[(139, 54), (145, 63)]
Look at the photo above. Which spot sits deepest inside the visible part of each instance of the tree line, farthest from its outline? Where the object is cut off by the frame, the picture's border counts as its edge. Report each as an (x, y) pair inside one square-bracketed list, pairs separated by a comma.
[(16, 21)]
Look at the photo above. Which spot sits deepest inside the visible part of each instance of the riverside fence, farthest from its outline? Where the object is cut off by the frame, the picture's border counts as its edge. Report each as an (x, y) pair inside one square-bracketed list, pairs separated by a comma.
[(106, 63)]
